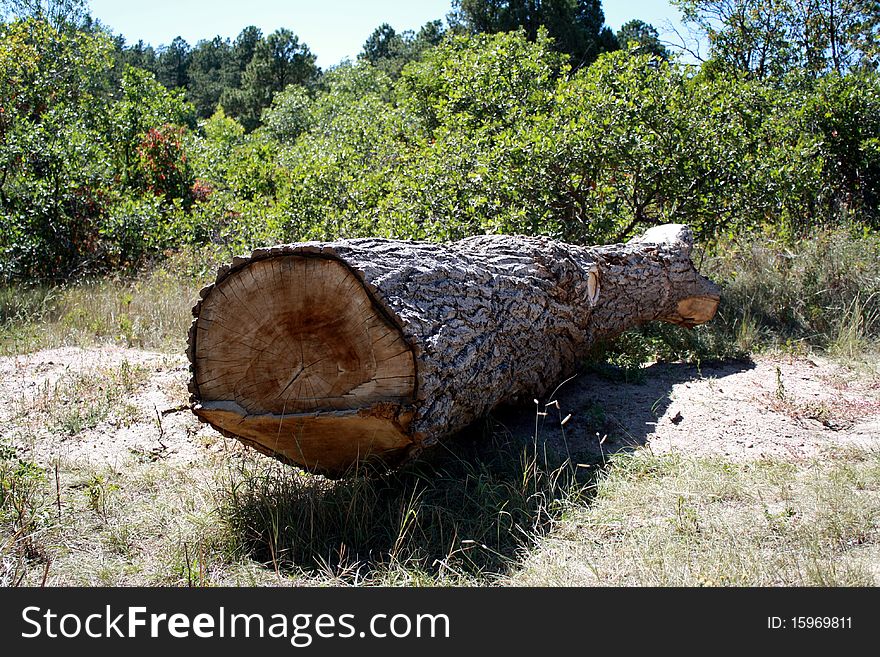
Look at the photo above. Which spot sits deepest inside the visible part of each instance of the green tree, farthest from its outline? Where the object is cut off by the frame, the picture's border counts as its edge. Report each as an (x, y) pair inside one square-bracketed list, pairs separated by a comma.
[(53, 168), (141, 55), (212, 154), (278, 61), (482, 80), (769, 38), (172, 66), (210, 73), (143, 136), (391, 51), (481, 106), (833, 135), (641, 37), (430, 34), (243, 49), (339, 168), (749, 36), (60, 14), (383, 43), (290, 114), (75, 189), (835, 35), (232, 99), (143, 103), (575, 25)]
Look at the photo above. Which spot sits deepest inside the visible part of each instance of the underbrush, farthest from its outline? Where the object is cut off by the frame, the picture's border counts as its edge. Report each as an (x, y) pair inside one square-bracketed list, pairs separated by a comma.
[(148, 311)]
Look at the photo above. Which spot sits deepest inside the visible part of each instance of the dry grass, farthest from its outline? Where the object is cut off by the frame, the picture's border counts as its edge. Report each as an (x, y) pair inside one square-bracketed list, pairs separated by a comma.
[(678, 521), (820, 294), (149, 311), (466, 516), (237, 519), (147, 524), (80, 400)]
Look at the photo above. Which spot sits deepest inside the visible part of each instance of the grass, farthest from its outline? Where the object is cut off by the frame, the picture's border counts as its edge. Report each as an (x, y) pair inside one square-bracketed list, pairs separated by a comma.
[(464, 518), (468, 515), (114, 526), (679, 521), (821, 294), (858, 326), (24, 517), (149, 311)]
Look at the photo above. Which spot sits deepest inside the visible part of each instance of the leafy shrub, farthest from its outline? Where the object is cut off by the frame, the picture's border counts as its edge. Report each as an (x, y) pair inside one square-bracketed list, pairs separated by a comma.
[(163, 161)]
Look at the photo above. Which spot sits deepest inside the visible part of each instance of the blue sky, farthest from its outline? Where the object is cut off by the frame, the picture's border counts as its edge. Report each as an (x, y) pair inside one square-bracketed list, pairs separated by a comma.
[(333, 29)]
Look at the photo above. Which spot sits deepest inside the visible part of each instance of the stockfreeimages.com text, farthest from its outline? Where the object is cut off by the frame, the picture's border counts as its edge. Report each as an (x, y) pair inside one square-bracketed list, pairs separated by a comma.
[(300, 629)]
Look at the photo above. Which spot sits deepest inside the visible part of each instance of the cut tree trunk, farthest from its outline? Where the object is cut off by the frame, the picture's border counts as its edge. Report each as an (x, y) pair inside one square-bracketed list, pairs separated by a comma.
[(325, 355)]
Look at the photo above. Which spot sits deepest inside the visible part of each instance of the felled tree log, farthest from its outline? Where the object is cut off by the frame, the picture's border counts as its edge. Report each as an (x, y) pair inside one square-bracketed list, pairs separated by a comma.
[(325, 355)]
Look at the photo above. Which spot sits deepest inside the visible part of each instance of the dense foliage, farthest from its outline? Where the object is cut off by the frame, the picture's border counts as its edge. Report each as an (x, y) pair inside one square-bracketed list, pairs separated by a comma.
[(111, 154)]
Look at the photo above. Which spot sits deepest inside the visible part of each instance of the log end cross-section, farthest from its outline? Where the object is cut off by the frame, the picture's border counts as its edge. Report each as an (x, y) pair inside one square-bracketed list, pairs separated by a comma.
[(293, 354)]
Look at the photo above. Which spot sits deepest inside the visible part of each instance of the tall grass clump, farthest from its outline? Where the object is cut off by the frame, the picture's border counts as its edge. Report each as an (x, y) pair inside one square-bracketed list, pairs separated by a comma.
[(824, 291), (467, 514), (817, 294), (148, 310)]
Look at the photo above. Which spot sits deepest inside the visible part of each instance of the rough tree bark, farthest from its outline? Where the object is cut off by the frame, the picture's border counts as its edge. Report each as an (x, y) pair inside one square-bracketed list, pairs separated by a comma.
[(324, 355)]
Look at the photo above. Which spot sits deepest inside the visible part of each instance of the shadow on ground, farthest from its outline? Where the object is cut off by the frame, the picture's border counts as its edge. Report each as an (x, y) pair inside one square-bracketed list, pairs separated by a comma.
[(610, 412), (475, 504)]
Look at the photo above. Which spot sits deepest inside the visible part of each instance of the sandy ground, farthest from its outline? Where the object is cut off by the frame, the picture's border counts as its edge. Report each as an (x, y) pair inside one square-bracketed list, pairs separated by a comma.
[(791, 408), (155, 425)]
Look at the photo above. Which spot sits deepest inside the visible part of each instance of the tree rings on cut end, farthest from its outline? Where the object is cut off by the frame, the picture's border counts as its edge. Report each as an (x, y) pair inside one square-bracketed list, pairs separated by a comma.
[(292, 352)]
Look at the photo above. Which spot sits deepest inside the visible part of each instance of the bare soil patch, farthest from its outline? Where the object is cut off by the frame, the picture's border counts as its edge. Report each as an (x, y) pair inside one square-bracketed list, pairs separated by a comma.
[(792, 408), (144, 417)]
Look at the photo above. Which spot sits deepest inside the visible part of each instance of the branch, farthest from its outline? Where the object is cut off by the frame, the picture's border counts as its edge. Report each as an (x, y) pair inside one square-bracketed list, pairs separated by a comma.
[(693, 49)]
